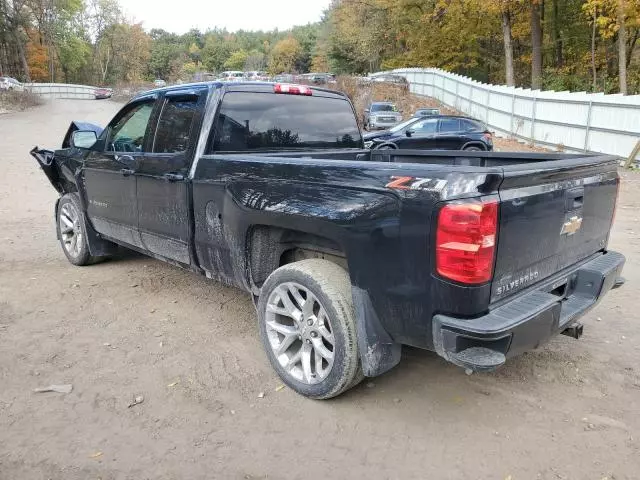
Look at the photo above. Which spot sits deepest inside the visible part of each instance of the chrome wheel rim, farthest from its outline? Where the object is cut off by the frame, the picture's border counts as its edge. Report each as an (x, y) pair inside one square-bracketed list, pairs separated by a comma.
[(70, 229), (299, 333)]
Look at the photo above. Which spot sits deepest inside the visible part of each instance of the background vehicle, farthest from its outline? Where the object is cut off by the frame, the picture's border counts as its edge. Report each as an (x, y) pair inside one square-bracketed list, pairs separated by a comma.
[(441, 132), (381, 115), (158, 82), (232, 76), (8, 83), (102, 93), (348, 253), (426, 112), (390, 78)]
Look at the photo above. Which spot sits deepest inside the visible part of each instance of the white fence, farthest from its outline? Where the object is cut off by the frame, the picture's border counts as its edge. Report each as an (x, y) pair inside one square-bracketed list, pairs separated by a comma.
[(578, 121), (61, 90)]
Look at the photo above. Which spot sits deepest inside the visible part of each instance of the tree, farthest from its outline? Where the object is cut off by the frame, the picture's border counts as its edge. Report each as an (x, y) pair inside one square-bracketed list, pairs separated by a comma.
[(536, 44), (284, 56), (236, 60), (622, 46)]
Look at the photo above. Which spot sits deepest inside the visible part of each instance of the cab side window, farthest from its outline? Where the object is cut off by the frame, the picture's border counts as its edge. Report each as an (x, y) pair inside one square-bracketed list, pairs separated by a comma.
[(127, 134), (174, 130)]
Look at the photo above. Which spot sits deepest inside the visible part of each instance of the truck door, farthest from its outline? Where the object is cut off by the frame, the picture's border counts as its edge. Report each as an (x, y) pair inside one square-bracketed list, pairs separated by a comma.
[(164, 213), (109, 173)]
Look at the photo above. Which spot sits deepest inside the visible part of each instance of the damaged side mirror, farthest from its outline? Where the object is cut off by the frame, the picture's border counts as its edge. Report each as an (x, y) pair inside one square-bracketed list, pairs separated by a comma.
[(83, 139)]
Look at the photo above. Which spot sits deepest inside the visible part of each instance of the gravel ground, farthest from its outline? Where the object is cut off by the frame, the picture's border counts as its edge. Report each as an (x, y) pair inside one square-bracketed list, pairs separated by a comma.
[(134, 326)]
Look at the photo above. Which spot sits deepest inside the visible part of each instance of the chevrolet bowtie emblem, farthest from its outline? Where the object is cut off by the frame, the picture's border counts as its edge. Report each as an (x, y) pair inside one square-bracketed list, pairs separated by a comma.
[(571, 226)]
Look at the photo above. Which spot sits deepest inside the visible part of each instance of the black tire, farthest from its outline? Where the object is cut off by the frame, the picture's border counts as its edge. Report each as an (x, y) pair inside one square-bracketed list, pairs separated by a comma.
[(331, 286), (79, 256), (473, 148), (386, 147)]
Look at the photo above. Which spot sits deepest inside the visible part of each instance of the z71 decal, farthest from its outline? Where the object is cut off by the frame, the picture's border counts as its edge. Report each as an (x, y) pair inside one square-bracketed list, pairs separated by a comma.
[(417, 183)]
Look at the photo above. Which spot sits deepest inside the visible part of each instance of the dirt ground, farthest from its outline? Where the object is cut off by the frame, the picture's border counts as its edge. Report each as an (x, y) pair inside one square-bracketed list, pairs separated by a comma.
[(135, 326)]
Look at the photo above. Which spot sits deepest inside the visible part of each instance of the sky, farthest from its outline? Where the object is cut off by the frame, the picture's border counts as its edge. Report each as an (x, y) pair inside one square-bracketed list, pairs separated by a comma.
[(233, 15)]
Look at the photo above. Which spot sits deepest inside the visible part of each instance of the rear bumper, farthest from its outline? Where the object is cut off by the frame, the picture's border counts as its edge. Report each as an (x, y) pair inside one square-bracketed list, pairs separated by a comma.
[(528, 320)]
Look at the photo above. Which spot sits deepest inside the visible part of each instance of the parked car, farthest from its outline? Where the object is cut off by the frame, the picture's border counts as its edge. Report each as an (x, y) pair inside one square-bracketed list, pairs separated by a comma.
[(232, 76), (381, 115), (441, 132), (347, 253), (390, 78), (102, 93), (426, 112), (8, 83), (158, 82)]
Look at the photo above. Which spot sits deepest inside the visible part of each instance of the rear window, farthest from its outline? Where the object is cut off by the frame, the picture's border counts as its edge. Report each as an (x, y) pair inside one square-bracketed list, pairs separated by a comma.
[(266, 121)]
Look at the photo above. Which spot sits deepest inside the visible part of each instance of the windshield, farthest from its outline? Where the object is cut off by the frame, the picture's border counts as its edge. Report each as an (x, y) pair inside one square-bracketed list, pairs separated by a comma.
[(402, 125), (383, 108), (265, 121)]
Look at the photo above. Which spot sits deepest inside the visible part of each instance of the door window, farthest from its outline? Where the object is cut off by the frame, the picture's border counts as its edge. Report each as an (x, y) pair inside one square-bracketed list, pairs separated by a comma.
[(128, 132), (449, 125), (425, 127), (174, 127)]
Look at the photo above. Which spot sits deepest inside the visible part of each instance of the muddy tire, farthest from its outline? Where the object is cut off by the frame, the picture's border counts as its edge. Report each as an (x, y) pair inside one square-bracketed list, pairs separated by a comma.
[(308, 328), (72, 232)]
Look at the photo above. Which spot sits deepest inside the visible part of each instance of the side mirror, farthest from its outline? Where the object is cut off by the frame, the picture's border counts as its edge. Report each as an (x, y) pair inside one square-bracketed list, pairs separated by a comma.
[(366, 110), (83, 139), (409, 132)]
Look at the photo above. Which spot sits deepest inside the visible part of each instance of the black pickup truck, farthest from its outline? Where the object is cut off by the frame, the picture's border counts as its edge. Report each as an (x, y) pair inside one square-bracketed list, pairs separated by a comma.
[(348, 253)]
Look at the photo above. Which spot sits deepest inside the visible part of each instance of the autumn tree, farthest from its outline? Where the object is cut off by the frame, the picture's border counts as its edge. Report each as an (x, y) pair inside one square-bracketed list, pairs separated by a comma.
[(284, 56)]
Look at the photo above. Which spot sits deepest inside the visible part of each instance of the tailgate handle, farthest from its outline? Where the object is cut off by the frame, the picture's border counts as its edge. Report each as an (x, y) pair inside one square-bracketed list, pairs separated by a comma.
[(575, 198)]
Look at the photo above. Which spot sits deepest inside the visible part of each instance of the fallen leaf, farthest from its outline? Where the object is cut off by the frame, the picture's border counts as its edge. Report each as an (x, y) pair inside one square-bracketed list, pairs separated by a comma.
[(55, 388), (96, 455), (279, 387), (261, 395), (136, 401), (172, 384)]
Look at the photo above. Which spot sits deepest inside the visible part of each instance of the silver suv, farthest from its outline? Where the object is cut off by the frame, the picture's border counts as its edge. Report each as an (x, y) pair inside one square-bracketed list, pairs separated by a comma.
[(381, 115)]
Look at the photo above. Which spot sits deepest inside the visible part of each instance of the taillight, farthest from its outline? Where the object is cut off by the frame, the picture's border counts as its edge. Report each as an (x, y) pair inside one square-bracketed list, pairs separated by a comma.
[(292, 89), (466, 241)]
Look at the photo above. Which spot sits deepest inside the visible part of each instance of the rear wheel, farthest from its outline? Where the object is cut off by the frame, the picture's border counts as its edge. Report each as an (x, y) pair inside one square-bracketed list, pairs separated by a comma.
[(307, 326), (473, 148), (71, 230)]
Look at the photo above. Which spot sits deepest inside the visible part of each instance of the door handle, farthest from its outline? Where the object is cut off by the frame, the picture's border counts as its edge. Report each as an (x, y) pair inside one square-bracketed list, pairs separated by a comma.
[(173, 177), (127, 171)]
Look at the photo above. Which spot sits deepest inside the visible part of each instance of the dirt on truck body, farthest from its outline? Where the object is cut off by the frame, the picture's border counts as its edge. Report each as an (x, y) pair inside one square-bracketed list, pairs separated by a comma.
[(348, 253)]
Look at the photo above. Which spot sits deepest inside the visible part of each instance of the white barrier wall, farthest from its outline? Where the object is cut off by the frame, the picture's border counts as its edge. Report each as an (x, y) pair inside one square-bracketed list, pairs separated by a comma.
[(577, 121), (61, 90)]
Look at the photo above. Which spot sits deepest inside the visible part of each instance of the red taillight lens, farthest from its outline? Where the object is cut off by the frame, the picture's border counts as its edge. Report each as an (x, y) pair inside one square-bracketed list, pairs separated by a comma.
[(292, 89), (466, 241)]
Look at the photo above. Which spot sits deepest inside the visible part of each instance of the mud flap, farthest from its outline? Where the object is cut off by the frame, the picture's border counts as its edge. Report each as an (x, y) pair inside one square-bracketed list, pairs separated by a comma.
[(378, 352)]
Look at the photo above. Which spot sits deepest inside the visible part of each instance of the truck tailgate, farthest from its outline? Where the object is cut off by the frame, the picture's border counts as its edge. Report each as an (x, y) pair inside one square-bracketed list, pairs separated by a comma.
[(552, 215)]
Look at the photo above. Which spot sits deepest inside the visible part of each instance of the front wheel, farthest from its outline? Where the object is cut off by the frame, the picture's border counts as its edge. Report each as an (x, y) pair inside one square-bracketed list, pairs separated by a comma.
[(71, 230), (473, 148), (308, 328)]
